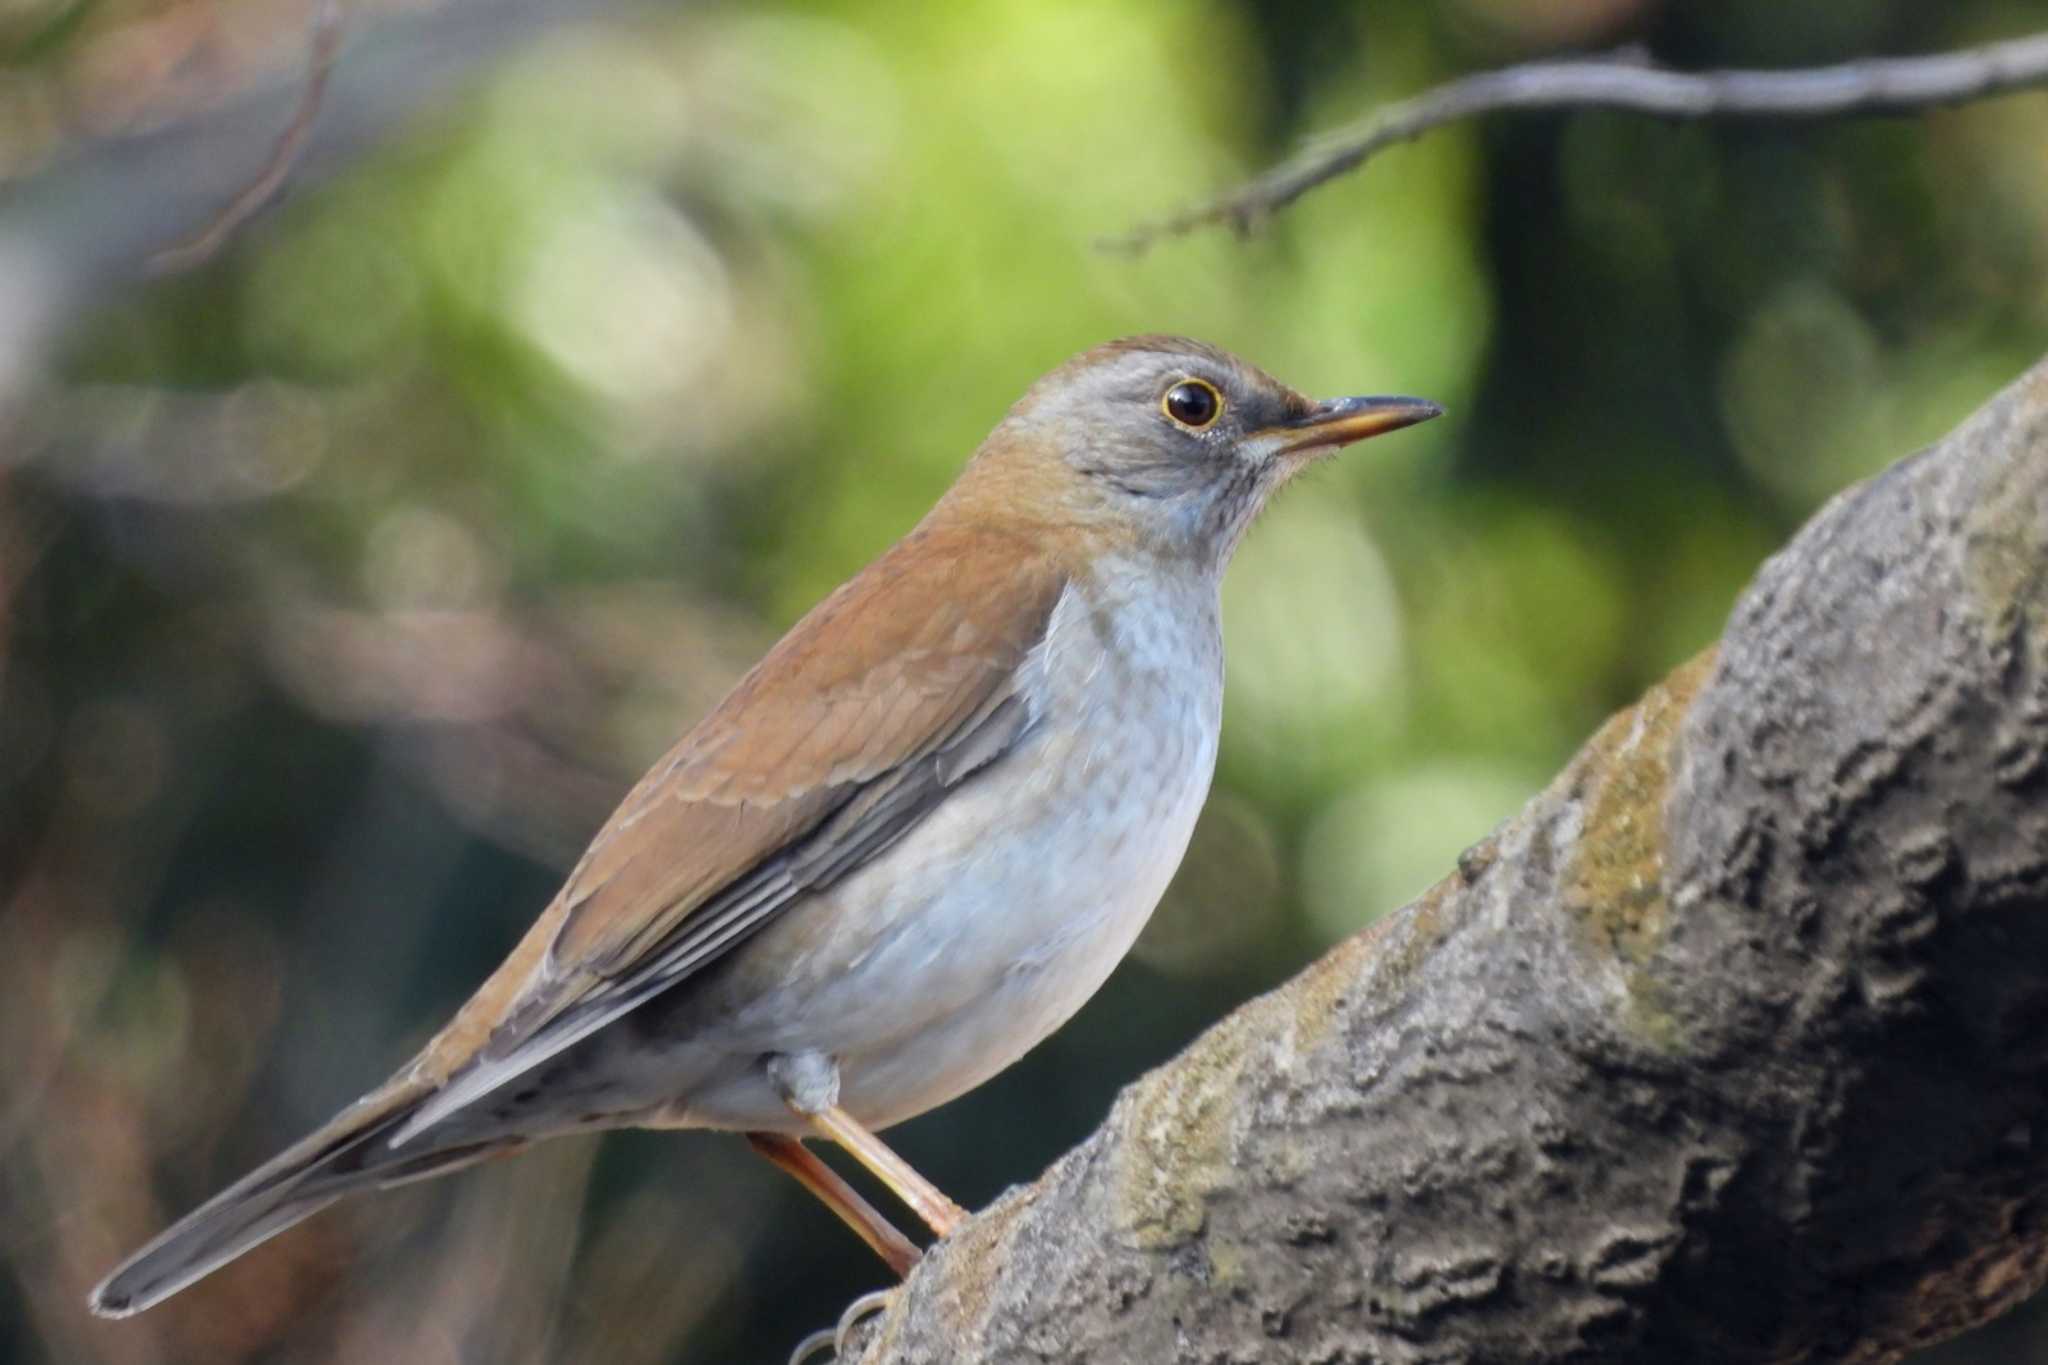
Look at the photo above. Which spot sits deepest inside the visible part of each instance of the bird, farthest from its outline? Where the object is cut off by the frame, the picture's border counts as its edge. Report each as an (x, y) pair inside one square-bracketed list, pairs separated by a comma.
[(904, 849)]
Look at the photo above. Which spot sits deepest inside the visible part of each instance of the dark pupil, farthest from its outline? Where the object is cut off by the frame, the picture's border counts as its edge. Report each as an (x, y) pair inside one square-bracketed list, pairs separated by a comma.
[(1191, 403)]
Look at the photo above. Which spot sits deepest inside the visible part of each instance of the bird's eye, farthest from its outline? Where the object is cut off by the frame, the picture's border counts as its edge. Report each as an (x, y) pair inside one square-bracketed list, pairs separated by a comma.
[(1194, 403)]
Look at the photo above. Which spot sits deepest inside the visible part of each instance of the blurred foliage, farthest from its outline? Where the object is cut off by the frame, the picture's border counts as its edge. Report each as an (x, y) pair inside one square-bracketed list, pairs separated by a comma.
[(345, 583)]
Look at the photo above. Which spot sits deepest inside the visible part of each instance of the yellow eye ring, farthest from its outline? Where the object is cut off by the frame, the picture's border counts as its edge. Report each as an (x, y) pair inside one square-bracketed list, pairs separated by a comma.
[(1192, 403)]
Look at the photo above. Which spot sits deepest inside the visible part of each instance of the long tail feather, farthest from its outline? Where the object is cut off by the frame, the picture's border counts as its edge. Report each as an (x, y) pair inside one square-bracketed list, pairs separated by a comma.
[(291, 1187)]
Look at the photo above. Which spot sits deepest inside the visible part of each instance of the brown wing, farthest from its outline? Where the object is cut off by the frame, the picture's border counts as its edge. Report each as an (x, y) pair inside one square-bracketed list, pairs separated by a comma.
[(849, 731)]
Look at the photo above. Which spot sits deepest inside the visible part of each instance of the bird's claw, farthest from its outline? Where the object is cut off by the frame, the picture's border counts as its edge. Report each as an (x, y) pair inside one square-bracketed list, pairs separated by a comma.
[(857, 1312), (866, 1306), (823, 1339)]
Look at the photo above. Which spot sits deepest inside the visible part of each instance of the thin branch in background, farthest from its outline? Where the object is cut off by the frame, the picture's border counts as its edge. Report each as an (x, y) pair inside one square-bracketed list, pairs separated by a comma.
[(1887, 85), (200, 248)]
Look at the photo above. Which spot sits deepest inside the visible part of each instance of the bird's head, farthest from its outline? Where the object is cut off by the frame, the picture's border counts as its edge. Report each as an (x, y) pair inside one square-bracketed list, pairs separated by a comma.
[(1165, 443)]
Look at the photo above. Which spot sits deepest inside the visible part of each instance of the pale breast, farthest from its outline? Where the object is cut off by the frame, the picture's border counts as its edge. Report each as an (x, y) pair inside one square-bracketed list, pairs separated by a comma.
[(989, 924)]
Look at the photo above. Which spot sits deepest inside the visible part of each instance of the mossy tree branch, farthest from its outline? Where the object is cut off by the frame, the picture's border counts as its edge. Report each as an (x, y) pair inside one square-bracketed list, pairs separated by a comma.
[(1732, 1046)]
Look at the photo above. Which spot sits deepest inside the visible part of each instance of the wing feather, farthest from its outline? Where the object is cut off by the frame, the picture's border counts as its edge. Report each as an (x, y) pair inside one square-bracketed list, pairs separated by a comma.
[(890, 693)]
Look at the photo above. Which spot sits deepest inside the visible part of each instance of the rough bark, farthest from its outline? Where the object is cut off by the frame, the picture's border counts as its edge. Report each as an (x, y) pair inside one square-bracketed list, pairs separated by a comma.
[(1730, 1047)]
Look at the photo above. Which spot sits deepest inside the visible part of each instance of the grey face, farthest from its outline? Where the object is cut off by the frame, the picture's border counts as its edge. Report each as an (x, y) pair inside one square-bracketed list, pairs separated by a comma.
[(1183, 442), (1179, 437)]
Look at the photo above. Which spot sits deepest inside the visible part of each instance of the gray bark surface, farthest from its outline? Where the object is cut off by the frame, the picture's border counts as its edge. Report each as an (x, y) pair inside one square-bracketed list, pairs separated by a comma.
[(1731, 1047)]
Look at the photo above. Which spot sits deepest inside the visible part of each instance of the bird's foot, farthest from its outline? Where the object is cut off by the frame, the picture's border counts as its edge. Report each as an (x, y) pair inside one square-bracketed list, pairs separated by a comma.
[(834, 1338), (868, 1305)]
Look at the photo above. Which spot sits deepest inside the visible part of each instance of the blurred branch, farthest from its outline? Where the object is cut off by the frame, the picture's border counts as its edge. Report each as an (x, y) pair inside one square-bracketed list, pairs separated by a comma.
[(196, 250), (1888, 85), (84, 225), (1728, 1048)]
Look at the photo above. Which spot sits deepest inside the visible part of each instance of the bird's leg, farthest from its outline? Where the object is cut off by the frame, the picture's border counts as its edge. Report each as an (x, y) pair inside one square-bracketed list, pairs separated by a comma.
[(843, 1199), (925, 1199), (809, 1084)]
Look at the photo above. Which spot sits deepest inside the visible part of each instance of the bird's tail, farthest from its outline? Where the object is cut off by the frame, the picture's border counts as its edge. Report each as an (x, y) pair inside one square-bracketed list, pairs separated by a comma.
[(348, 1154)]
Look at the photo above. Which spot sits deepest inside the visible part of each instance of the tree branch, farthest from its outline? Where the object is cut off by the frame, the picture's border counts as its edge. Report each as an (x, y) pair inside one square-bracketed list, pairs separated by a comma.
[(1889, 85), (323, 46), (1731, 1047)]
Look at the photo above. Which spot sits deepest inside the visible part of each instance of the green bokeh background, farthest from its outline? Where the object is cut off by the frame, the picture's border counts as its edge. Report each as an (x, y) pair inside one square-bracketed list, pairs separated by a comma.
[(349, 579)]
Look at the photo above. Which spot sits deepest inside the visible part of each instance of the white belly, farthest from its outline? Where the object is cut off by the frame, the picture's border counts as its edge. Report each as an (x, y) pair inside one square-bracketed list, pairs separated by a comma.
[(998, 916)]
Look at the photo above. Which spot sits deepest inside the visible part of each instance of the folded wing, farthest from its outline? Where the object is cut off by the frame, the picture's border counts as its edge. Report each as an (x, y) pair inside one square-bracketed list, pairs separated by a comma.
[(898, 687)]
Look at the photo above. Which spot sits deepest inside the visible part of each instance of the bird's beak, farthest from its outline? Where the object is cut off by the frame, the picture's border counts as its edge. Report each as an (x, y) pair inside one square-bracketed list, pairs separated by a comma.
[(1340, 421)]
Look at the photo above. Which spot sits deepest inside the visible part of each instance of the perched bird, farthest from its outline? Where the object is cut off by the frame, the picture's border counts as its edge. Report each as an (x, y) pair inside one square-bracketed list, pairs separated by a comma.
[(904, 849)]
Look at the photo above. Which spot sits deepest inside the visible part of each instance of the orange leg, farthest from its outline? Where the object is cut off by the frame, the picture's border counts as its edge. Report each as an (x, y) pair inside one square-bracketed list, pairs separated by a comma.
[(857, 1213), (940, 1214), (809, 1084)]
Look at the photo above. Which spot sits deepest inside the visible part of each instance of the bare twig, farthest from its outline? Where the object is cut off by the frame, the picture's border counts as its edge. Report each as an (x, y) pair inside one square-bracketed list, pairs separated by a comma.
[(199, 248), (1887, 85)]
